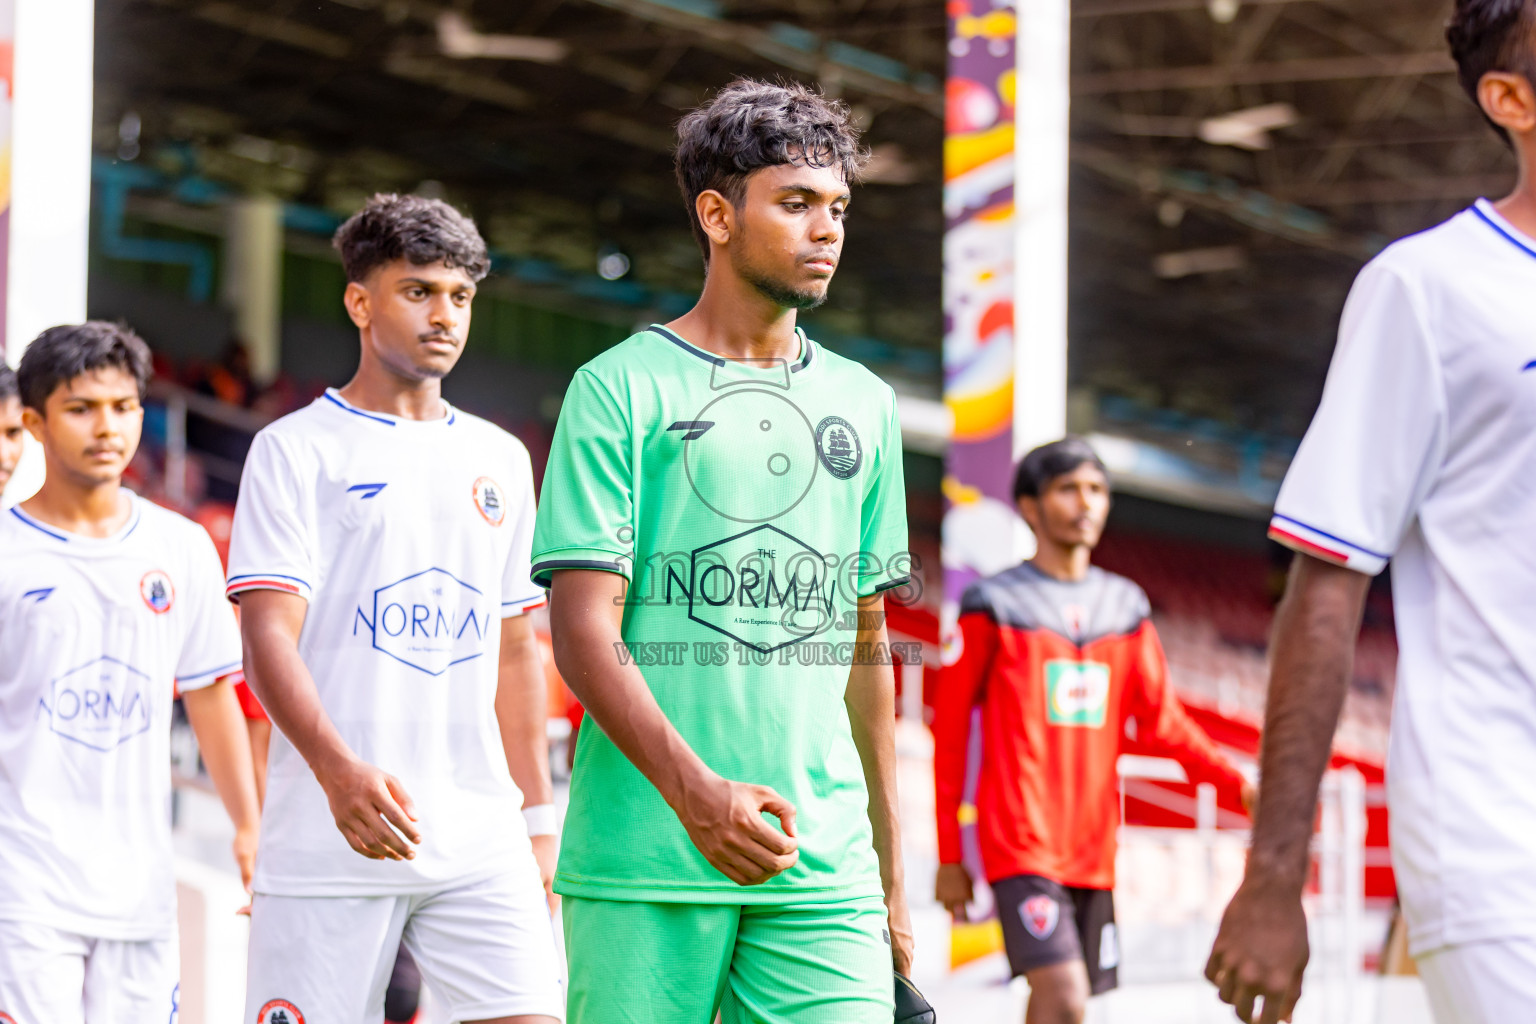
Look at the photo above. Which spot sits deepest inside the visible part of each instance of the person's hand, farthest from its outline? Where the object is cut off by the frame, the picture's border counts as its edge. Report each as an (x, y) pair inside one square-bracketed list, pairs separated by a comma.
[(903, 944), (546, 851), (1261, 951), (725, 822), (953, 888), (245, 853), (366, 802)]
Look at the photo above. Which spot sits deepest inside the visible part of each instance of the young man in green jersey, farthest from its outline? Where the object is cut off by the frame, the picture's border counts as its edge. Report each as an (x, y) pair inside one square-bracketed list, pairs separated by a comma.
[(722, 513)]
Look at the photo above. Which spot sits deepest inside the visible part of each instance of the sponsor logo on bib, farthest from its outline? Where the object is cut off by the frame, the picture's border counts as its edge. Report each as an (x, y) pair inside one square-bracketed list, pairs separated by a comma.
[(490, 502), (1077, 693), (102, 704), (837, 444), (1040, 914), (279, 1011), (156, 590)]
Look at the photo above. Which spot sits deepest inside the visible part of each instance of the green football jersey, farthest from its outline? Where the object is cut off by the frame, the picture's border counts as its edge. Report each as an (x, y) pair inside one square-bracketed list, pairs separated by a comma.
[(750, 504)]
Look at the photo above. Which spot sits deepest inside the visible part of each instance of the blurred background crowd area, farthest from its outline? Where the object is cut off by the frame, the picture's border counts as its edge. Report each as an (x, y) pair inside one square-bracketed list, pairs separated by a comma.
[(1233, 164)]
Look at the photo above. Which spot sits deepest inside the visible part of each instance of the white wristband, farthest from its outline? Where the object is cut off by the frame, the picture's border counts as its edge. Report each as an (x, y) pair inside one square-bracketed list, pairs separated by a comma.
[(542, 819)]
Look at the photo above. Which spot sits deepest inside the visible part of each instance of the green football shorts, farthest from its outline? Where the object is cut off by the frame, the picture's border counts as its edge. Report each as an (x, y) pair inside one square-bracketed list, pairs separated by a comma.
[(680, 963)]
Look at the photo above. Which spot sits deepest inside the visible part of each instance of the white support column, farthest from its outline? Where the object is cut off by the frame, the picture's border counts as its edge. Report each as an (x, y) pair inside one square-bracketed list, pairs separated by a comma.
[(50, 168), (1040, 219), (253, 279)]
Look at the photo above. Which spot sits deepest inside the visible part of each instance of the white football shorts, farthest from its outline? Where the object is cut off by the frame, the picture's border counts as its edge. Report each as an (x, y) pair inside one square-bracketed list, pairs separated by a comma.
[(1481, 982), (52, 977), (486, 949)]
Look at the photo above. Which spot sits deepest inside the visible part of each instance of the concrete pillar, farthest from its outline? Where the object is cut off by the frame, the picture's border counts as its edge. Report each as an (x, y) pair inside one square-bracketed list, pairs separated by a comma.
[(253, 279), (1040, 224), (49, 165)]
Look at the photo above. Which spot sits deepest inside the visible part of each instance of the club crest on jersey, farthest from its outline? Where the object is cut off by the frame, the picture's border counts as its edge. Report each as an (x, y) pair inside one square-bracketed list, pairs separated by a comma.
[(838, 447), (279, 1011), (156, 590), (1040, 914), (490, 501)]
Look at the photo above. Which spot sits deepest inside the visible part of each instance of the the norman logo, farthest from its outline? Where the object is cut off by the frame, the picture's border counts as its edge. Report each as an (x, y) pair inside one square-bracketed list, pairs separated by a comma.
[(101, 704), (279, 1011), (762, 587), (837, 443), (490, 501), (156, 590), (430, 620)]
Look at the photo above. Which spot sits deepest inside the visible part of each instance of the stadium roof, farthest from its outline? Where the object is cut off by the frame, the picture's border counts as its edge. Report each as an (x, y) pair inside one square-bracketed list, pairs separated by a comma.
[(1234, 160)]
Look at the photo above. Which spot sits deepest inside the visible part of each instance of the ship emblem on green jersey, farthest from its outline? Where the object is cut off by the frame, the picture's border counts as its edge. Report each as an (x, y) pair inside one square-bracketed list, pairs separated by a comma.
[(837, 444)]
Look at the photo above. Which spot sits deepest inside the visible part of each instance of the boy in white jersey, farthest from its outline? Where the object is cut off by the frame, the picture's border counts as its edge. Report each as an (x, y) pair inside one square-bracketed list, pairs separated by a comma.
[(380, 558), (10, 425), (1423, 451), (107, 603)]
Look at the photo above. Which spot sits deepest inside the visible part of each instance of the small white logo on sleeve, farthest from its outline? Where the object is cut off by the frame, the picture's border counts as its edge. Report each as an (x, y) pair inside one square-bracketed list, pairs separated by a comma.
[(157, 591), (489, 501)]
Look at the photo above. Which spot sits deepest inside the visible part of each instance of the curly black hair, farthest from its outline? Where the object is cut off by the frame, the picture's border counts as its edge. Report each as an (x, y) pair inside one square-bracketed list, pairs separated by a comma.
[(421, 231), (1492, 35), (60, 354), (750, 125)]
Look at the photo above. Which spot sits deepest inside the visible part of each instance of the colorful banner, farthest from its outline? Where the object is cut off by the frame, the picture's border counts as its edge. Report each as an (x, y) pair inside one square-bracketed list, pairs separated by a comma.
[(978, 290), (7, 73), (979, 521)]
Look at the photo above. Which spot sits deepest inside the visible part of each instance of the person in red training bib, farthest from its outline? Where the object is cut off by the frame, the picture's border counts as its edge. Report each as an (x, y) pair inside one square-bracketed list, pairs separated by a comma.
[(1059, 655)]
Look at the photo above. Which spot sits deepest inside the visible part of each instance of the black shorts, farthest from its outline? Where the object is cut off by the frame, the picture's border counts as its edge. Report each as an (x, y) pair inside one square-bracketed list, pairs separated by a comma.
[(1047, 923)]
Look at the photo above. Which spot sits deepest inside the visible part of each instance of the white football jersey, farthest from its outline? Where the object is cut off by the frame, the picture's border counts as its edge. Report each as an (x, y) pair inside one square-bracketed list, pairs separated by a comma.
[(1424, 451), (410, 542), (95, 634)]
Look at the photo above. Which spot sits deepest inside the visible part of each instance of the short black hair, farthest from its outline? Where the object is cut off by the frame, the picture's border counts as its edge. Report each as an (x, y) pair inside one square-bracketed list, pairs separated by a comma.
[(420, 231), (1492, 35), (8, 386), (60, 354), (750, 125), (1049, 461)]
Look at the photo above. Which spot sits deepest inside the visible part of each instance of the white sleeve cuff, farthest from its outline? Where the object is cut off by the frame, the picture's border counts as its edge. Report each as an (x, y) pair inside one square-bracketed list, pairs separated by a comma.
[(1309, 540), (542, 819)]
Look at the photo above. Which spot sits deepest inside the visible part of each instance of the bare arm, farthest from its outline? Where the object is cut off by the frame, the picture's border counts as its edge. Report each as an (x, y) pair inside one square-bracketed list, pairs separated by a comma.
[(871, 702), (214, 713), (364, 800), (723, 818), (522, 705), (1261, 949)]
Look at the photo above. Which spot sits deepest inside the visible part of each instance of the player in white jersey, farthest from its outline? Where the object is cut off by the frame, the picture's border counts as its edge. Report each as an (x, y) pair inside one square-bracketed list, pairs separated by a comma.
[(381, 559), (1423, 451), (10, 425), (107, 603)]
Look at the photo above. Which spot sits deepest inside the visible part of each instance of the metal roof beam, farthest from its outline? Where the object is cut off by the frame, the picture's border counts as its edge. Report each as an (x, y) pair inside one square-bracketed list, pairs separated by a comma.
[(1409, 190), (1311, 69), (805, 55)]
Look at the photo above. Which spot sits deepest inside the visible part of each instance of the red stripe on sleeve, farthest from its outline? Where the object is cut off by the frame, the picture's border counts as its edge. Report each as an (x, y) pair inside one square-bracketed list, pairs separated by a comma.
[(1311, 548)]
